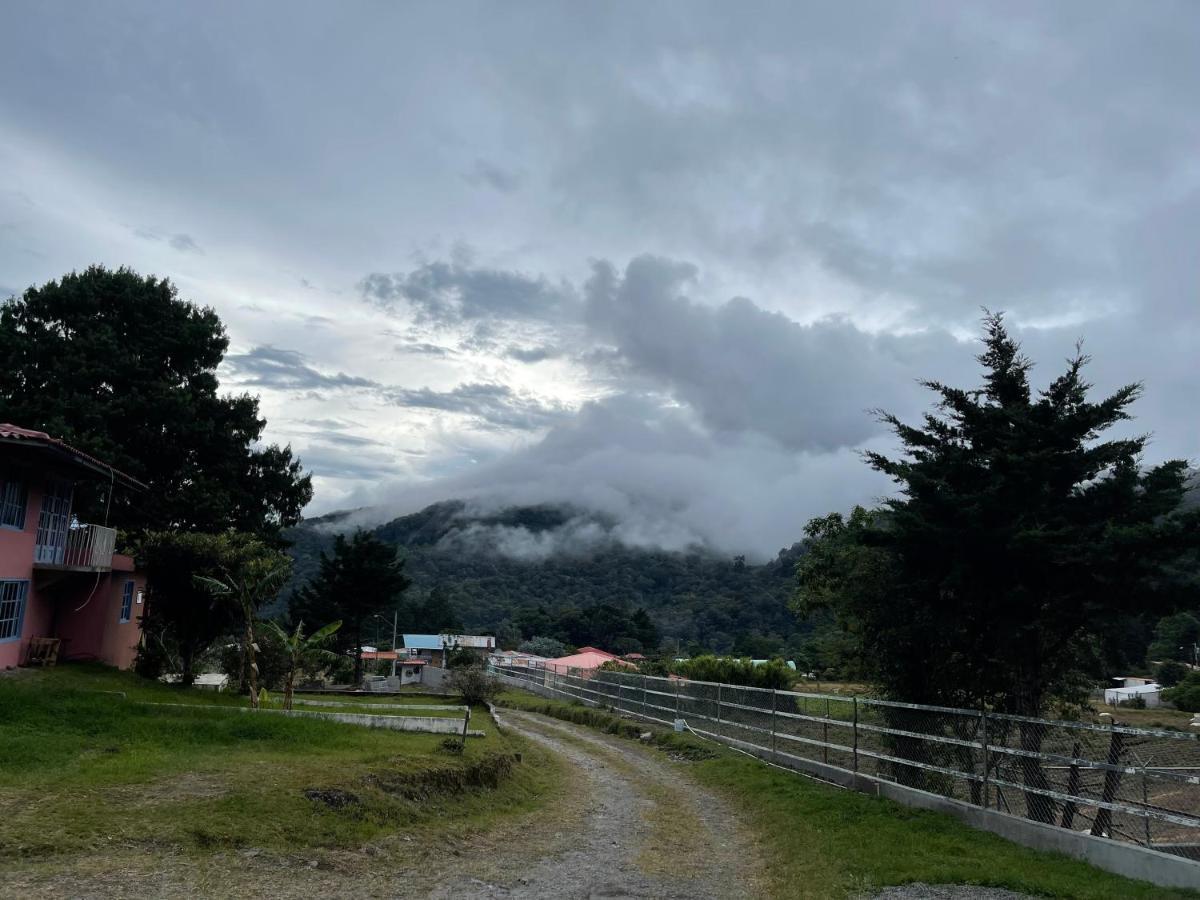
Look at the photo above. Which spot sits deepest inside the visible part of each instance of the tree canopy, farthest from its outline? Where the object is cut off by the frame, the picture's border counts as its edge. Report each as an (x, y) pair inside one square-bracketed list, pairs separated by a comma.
[(119, 366), (361, 578), (1019, 541), (183, 616)]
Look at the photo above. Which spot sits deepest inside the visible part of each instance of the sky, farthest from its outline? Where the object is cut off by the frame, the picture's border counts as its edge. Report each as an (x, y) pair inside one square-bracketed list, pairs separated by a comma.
[(659, 261)]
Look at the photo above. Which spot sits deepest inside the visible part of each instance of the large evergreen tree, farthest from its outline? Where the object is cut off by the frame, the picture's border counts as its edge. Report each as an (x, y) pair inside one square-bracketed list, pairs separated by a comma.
[(361, 578), (1019, 540), (119, 366)]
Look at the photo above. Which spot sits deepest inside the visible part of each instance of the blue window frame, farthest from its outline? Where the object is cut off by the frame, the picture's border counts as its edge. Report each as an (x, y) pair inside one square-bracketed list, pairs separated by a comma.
[(126, 602), (13, 498), (13, 595)]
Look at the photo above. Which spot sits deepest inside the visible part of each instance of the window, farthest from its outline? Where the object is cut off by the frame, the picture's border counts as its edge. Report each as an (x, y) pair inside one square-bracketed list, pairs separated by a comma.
[(13, 497), (126, 602), (12, 609)]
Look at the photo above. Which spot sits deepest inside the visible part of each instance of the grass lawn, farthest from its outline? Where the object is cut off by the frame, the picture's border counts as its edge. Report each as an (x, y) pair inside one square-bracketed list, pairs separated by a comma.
[(87, 772), (821, 841)]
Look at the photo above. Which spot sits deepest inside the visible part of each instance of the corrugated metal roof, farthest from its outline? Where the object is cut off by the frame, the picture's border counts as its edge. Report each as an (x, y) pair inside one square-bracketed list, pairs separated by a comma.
[(391, 654), (423, 641), (591, 658)]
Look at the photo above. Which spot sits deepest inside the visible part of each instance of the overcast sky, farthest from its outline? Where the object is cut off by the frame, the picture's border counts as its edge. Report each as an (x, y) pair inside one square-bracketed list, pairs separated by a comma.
[(656, 259)]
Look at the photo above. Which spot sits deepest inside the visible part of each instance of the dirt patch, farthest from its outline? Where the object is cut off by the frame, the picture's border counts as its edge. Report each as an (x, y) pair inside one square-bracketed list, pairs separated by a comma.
[(919, 891), (485, 773), (185, 786)]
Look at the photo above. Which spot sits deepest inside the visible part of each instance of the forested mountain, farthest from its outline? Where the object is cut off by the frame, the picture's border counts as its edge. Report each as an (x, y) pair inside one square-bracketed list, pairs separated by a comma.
[(540, 569)]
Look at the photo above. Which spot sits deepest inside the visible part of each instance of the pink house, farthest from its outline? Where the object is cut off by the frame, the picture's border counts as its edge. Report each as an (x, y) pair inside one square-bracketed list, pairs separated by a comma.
[(59, 577)]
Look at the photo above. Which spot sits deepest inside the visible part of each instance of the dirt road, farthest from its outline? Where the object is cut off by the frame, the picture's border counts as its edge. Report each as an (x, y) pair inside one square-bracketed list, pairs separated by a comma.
[(639, 829)]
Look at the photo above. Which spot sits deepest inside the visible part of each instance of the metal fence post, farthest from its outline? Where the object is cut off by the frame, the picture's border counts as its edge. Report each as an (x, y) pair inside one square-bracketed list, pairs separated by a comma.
[(774, 693), (855, 732), (983, 739), (676, 699), (644, 696), (1146, 801), (718, 703), (825, 733)]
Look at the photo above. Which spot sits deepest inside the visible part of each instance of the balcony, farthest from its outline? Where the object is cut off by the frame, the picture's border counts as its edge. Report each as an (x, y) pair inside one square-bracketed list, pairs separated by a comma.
[(81, 548)]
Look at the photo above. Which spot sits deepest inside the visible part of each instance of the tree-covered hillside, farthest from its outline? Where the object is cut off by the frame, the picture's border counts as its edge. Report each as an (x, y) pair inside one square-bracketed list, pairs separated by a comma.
[(523, 570)]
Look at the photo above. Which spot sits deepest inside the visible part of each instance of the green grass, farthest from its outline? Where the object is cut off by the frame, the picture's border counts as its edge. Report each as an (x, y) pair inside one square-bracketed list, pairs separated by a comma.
[(87, 771), (821, 841)]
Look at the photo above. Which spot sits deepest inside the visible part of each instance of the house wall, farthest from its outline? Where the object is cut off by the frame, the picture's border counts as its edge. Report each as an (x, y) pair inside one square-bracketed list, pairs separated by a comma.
[(53, 598), (16, 562), (95, 632)]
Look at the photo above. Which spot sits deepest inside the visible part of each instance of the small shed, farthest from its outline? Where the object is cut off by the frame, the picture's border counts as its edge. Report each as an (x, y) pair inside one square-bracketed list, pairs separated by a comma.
[(1151, 693)]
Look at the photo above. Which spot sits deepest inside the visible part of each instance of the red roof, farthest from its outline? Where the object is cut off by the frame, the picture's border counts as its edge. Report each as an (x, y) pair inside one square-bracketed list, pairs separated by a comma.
[(391, 654), (15, 433)]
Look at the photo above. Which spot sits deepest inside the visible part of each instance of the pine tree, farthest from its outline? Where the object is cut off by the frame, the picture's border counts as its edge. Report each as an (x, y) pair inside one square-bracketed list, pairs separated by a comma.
[(1019, 537), (363, 577)]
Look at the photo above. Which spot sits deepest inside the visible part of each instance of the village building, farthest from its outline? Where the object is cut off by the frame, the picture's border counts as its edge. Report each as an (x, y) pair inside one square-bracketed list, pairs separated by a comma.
[(436, 649), (64, 591), (585, 659), (405, 669)]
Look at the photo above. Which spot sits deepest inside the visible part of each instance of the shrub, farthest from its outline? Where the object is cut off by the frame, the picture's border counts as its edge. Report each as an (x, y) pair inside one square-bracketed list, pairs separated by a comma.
[(462, 658), (544, 646), (1185, 695), (1171, 673), (474, 685), (772, 674)]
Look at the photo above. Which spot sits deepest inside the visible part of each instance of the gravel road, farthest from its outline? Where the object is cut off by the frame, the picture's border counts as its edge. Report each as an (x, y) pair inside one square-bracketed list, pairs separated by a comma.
[(648, 831)]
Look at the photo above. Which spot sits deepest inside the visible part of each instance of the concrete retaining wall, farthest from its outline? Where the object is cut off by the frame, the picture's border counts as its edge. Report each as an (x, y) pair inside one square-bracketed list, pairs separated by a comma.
[(1118, 857), (370, 706), (427, 724)]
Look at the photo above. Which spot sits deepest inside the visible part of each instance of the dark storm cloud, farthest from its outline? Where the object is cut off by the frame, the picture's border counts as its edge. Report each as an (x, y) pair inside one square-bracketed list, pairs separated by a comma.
[(533, 354), (184, 243), (424, 348), (286, 370), (445, 293), (744, 368), (867, 176), (493, 176), (496, 405)]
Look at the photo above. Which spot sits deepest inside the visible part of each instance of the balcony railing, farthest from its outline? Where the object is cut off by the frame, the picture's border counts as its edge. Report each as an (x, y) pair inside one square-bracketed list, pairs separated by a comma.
[(82, 548)]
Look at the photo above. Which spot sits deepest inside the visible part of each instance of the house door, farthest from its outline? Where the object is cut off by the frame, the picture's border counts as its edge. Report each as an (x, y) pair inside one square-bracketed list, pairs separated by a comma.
[(52, 523)]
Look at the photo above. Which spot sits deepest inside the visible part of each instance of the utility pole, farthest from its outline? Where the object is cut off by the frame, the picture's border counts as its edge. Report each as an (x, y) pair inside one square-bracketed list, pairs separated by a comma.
[(395, 652)]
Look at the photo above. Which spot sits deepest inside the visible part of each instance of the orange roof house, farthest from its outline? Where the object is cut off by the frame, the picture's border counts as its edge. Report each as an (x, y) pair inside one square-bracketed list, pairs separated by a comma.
[(587, 658)]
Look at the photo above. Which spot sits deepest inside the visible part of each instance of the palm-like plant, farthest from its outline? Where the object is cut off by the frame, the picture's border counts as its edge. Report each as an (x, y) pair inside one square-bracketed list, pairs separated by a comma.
[(302, 650), (249, 585)]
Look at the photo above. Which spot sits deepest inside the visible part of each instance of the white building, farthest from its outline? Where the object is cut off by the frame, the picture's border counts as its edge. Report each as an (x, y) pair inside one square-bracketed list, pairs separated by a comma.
[(1148, 691)]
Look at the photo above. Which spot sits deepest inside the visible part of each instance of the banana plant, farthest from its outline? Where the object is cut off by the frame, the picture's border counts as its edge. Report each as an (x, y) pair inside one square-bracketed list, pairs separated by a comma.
[(302, 649), (255, 580)]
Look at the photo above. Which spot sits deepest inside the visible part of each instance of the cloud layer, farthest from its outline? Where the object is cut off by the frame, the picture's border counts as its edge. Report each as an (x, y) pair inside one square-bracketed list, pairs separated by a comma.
[(659, 263)]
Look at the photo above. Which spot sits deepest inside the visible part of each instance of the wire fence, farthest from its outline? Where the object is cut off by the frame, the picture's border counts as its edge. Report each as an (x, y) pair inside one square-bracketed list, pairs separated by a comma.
[(1130, 784)]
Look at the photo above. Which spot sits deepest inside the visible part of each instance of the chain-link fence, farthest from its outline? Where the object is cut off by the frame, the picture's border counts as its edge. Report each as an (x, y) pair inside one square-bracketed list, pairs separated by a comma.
[(1129, 784)]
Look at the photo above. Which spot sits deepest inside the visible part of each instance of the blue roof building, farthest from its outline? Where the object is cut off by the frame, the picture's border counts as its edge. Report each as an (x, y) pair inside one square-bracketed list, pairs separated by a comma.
[(423, 642)]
